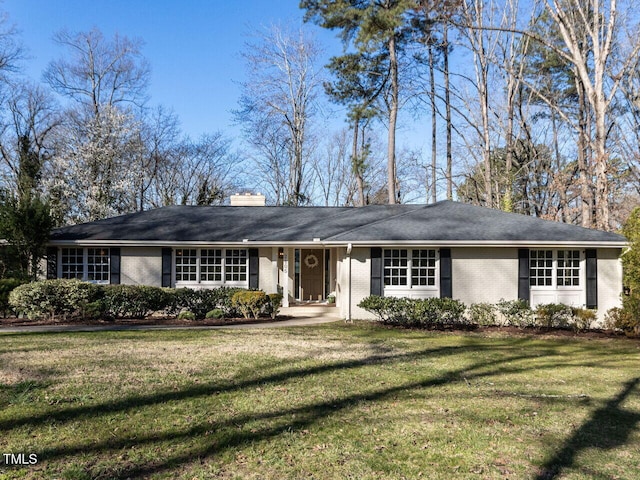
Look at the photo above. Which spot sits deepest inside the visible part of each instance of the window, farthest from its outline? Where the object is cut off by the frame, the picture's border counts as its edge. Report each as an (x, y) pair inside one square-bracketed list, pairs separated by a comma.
[(568, 268), (88, 264), (541, 268), (73, 263), (98, 265), (186, 265), (235, 269), (423, 268), (420, 263), (395, 267), (211, 265), (551, 268)]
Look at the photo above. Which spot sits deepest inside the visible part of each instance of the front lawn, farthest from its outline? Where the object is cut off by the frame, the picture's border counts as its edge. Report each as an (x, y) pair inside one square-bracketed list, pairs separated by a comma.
[(335, 401)]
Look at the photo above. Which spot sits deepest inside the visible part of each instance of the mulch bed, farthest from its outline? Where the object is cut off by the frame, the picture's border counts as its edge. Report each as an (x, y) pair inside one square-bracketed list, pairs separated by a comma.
[(164, 321)]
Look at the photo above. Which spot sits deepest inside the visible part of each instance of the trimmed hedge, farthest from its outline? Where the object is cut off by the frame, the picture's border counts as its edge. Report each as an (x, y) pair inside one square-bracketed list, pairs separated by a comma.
[(134, 301), (64, 298), (199, 302), (442, 312), (413, 312), (250, 302), (54, 298)]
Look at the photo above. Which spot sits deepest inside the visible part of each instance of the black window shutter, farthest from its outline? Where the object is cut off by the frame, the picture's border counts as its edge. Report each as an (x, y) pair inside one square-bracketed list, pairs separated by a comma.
[(446, 284), (592, 277), (114, 265), (376, 272), (52, 263), (254, 268), (166, 267), (523, 274)]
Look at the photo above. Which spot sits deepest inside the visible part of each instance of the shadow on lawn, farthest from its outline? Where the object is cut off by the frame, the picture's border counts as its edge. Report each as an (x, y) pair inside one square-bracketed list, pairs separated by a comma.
[(211, 438), (609, 427)]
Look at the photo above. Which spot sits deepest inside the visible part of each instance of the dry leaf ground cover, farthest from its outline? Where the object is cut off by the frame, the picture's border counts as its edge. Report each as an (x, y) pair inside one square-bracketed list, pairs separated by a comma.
[(337, 401)]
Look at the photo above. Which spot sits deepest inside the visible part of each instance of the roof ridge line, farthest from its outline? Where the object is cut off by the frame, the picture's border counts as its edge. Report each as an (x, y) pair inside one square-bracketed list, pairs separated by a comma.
[(397, 215)]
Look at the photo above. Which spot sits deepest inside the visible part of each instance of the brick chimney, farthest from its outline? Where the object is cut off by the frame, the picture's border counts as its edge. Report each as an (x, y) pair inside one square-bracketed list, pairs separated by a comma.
[(248, 200)]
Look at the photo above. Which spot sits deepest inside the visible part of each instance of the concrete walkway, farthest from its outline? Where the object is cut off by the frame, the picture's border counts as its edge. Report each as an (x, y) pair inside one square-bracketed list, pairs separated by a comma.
[(293, 322)]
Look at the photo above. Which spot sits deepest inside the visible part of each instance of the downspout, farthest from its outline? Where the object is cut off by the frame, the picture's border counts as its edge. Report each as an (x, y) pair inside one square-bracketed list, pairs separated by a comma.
[(349, 247)]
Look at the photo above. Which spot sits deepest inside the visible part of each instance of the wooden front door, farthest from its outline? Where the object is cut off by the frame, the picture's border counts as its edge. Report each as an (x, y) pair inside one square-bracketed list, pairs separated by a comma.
[(311, 275)]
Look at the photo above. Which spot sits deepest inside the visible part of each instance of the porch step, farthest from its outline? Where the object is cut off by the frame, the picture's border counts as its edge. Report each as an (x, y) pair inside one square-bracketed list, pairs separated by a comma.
[(311, 310)]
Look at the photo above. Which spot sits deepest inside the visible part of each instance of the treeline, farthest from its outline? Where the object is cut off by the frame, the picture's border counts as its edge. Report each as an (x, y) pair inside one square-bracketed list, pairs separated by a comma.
[(526, 106)]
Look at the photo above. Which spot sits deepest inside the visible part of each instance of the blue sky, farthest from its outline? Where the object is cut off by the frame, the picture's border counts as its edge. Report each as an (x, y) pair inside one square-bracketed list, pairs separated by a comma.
[(193, 46)]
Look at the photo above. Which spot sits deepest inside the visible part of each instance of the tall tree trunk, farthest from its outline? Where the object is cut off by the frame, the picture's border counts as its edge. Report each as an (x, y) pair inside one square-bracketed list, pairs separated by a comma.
[(447, 101), (356, 162), (434, 125), (583, 158), (393, 117)]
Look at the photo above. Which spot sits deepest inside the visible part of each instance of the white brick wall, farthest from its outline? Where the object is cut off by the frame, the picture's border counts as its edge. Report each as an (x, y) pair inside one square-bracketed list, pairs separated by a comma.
[(141, 266), (265, 273), (484, 274), (609, 280)]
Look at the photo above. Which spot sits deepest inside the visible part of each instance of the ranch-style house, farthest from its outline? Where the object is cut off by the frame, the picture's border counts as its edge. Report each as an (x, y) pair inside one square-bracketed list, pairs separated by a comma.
[(312, 254)]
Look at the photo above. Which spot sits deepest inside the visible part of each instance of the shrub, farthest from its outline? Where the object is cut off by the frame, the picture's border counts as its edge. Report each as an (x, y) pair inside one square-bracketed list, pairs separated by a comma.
[(415, 312), (249, 302), (272, 307), (52, 298), (622, 319), (516, 313), (134, 301), (204, 300), (198, 302), (554, 315), (215, 314), (6, 287), (483, 314), (582, 318), (95, 310), (186, 315)]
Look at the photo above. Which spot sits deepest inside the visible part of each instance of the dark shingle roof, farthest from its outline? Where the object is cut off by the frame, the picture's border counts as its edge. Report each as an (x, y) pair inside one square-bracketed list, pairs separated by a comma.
[(439, 222)]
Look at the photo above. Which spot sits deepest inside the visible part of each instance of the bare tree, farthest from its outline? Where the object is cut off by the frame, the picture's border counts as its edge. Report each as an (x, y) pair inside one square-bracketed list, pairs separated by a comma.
[(599, 72), (277, 104), (201, 172), (99, 72)]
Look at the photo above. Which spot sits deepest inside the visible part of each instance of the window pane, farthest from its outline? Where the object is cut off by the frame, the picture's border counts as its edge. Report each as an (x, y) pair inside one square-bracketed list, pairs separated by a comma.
[(570, 274), (540, 267), (395, 267), (211, 265), (186, 260), (235, 268), (72, 263), (98, 264), (423, 267)]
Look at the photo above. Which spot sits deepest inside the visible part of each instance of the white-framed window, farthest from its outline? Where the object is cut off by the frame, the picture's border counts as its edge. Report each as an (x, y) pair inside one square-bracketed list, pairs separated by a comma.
[(212, 266), (186, 265), (72, 263), (415, 268), (423, 268), (235, 268), (396, 263), (541, 268), (555, 268), (88, 264), (568, 268), (98, 265)]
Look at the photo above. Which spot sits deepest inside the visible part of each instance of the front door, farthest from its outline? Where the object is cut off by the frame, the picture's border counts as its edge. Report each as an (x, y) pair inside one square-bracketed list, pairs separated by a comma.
[(311, 274)]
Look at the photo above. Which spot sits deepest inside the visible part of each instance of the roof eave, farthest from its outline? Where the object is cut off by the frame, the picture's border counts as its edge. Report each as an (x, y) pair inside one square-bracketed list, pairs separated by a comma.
[(343, 243)]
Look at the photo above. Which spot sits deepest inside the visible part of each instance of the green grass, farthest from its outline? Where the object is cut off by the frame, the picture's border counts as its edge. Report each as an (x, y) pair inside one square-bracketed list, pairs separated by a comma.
[(336, 401)]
